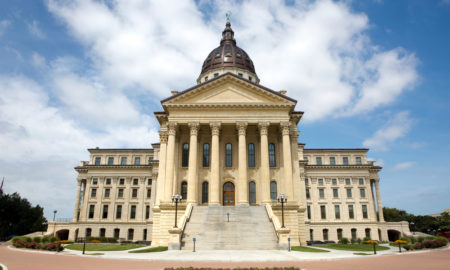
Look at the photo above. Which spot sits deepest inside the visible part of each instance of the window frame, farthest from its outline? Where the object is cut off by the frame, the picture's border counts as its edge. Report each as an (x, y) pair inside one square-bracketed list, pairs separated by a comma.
[(206, 155), (185, 155), (251, 155), (228, 155), (272, 155)]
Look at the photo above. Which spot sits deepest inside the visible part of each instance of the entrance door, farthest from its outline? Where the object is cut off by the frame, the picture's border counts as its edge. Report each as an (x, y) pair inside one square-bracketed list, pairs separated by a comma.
[(228, 194)]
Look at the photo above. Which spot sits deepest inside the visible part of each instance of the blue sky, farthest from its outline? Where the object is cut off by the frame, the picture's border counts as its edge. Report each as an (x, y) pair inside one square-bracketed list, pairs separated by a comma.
[(80, 74)]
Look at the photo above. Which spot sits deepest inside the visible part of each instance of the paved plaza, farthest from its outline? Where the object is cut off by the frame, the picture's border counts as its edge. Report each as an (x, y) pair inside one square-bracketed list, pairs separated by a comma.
[(16, 259)]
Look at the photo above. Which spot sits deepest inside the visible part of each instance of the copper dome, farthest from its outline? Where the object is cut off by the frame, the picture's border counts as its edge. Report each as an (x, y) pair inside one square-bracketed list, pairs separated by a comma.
[(228, 54)]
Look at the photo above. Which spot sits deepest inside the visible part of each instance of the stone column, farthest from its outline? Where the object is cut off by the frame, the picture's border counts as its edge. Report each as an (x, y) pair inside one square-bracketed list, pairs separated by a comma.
[(287, 159), (242, 170), (77, 202), (192, 170), (264, 171), (380, 208), (215, 181), (84, 206), (168, 186), (161, 167)]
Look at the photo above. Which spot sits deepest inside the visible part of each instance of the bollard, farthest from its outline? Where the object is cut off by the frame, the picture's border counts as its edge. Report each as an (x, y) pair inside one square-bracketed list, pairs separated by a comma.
[(228, 216), (374, 248), (399, 247), (289, 244), (84, 244), (193, 239)]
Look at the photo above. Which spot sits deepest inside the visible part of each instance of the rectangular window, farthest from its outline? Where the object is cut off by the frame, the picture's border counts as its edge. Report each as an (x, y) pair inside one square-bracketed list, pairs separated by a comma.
[(91, 211), (149, 193), (111, 161), (216, 74), (94, 181), (332, 161), (121, 181), (135, 182), (323, 213), (93, 192), (349, 192), (147, 212), (206, 78), (362, 192), (308, 208), (320, 181), (97, 161), (308, 195), (351, 213), (361, 181), (123, 160), (134, 193), (137, 161), (149, 182), (107, 190), (250, 78), (321, 193), (240, 75), (334, 182), (358, 161), (364, 211), (345, 160), (325, 234), (119, 212), (335, 193), (272, 155), (251, 155), (105, 211), (337, 212), (133, 212), (306, 181), (206, 155), (120, 193), (108, 181), (347, 181), (228, 155), (318, 160)]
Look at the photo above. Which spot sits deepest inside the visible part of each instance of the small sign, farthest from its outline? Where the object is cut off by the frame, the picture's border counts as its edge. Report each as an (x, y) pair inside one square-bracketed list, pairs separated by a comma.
[(289, 239), (193, 239)]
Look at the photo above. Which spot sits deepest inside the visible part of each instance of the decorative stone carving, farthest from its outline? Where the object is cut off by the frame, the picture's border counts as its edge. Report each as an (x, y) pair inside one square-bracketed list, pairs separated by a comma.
[(285, 127), (241, 126), (194, 127), (163, 135), (172, 126), (215, 128), (263, 128)]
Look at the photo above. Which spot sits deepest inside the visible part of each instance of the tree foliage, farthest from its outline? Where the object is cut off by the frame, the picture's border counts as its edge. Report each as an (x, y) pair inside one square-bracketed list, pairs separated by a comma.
[(425, 224), (19, 217)]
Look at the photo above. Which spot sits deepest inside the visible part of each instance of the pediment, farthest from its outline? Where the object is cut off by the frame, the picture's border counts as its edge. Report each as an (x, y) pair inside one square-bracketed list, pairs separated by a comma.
[(228, 90)]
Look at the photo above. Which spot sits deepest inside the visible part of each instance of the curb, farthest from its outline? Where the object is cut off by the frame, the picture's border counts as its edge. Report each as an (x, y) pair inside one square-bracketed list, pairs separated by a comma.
[(4, 266)]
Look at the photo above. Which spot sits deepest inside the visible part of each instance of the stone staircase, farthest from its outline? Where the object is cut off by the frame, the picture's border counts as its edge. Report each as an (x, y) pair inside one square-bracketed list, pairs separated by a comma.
[(249, 229)]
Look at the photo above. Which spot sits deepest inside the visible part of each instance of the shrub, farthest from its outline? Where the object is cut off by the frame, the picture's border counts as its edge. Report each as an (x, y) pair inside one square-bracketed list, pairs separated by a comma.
[(54, 239), (37, 239), (353, 240), (418, 246), (366, 239), (344, 241), (420, 239), (95, 241), (45, 239), (437, 238), (408, 247), (19, 243), (412, 240), (111, 240), (54, 247), (28, 239), (17, 238), (359, 240)]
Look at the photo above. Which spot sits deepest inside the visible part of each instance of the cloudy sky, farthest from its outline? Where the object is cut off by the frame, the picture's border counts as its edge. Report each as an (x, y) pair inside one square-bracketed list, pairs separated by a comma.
[(84, 73)]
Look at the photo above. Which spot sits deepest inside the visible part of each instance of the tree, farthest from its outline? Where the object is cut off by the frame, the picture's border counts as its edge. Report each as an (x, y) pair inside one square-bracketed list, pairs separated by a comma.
[(19, 217), (426, 224)]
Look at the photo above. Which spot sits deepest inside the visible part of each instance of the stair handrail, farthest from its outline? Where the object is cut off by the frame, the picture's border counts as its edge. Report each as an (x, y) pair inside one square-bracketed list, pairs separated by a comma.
[(273, 218), (187, 214)]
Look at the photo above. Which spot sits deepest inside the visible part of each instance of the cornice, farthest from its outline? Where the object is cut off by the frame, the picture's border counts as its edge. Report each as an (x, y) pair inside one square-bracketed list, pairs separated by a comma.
[(327, 166), (228, 105)]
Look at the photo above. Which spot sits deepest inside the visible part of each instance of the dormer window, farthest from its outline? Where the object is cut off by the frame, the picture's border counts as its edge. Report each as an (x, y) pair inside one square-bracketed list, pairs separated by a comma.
[(206, 78), (216, 75), (238, 55), (250, 78), (240, 75), (228, 54), (217, 55)]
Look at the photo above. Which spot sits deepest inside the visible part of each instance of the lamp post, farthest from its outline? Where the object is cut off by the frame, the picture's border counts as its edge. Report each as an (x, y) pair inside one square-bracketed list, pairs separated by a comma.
[(54, 222), (282, 199), (176, 198)]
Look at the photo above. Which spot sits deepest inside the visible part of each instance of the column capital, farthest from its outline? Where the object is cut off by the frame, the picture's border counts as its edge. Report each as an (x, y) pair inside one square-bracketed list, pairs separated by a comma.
[(295, 135), (241, 126), (263, 127), (215, 128), (285, 127), (163, 136), (172, 128), (194, 127)]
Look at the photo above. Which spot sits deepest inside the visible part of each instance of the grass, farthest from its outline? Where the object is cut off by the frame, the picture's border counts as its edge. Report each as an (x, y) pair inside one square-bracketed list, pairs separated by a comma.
[(107, 247), (146, 250), (363, 254), (94, 254), (354, 247), (308, 249)]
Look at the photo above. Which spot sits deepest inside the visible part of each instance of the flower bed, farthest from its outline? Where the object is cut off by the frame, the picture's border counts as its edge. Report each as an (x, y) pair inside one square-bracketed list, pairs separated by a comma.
[(26, 242)]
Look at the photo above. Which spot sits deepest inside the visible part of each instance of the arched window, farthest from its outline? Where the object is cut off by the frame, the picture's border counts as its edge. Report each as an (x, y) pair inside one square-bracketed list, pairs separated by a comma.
[(273, 190), (272, 160), (185, 155), (252, 192), (205, 191), (206, 155), (251, 155), (228, 155), (184, 190)]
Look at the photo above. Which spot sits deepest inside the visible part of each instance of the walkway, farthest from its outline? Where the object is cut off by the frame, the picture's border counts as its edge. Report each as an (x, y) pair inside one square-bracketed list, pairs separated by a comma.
[(21, 260)]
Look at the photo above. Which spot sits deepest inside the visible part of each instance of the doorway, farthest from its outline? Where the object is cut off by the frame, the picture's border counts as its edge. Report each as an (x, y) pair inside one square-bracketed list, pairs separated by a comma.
[(228, 194)]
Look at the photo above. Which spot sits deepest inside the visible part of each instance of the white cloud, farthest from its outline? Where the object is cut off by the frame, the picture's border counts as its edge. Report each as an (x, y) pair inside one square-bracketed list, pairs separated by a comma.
[(4, 24), (34, 29), (394, 129), (404, 165), (38, 60)]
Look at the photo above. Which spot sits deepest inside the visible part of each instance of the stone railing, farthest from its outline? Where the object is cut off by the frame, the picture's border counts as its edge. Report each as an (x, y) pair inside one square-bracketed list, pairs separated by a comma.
[(175, 233), (282, 233), (187, 214)]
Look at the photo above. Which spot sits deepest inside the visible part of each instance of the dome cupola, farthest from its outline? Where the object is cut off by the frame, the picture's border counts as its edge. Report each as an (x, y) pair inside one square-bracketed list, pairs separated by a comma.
[(228, 58)]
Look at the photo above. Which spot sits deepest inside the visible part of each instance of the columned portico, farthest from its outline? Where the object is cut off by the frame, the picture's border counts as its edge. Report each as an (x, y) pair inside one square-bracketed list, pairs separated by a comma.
[(215, 181), (192, 171), (242, 171), (265, 171), (380, 208)]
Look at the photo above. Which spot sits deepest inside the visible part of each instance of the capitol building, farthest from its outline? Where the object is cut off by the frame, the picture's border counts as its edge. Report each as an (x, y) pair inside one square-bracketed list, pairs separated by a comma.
[(230, 147)]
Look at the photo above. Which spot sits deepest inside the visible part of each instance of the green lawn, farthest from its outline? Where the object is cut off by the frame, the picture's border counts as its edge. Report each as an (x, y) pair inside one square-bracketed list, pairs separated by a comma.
[(354, 247), (308, 249), (363, 254), (90, 247), (146, 250)]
